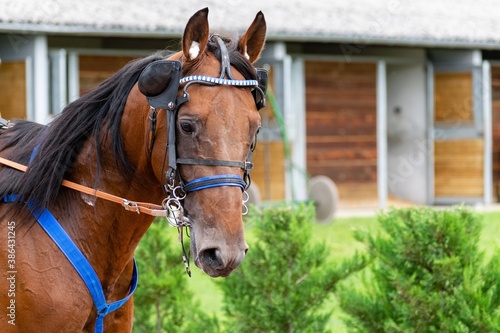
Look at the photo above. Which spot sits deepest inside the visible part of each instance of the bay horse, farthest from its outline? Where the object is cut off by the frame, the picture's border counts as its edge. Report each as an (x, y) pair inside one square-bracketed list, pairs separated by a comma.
[(180, 126)]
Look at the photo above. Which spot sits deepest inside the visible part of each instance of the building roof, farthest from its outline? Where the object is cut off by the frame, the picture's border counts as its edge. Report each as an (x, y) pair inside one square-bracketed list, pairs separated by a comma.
[(394, 22)]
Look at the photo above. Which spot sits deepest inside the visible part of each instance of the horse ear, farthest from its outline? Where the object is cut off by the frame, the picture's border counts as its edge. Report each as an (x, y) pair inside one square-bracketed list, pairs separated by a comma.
[(252, 42), (195, 38)]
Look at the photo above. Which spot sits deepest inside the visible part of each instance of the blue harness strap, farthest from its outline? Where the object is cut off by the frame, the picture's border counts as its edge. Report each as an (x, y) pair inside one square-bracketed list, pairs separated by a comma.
[(52, 227), (214, 181)]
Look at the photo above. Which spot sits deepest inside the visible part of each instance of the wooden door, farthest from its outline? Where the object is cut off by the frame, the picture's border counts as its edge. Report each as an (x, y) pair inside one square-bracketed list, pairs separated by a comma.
[(13, 89), (458, 142), (341, 131)]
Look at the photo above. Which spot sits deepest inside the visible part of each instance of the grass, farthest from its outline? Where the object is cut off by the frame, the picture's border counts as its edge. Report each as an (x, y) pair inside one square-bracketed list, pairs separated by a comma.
[(490, 234), (339, 238)]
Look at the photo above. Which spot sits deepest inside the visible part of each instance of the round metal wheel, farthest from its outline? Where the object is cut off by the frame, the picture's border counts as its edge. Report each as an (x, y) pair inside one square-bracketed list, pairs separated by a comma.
[(323, 192)]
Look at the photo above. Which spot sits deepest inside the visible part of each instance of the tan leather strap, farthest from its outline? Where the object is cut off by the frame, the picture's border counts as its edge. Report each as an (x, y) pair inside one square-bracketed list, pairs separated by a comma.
[(138, 207)]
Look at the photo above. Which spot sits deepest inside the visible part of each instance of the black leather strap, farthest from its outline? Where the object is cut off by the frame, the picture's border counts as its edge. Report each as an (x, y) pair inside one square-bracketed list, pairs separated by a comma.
[(224, 55), (247, 165), (152, 129), (172, 151)]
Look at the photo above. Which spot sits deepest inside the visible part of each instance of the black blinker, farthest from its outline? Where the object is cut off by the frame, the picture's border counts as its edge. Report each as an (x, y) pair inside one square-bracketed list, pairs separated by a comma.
[(159, 82), (262, 78), (260, 94)]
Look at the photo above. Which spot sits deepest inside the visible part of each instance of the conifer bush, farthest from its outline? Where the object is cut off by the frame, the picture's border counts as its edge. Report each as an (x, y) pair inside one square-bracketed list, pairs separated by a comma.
[(163, 300), (285, 279), (428, 275)]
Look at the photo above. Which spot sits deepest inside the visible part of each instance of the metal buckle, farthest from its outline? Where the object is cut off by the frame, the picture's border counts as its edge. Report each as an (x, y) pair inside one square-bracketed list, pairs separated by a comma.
[(248, 165), (131, 206), (175, 213)]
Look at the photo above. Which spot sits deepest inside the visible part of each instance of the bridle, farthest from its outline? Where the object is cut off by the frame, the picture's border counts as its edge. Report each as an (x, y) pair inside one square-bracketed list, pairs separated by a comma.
[(160, 82)]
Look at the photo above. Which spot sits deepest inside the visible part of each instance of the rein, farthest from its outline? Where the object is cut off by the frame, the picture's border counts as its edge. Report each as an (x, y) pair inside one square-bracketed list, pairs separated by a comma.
[(138, 207)]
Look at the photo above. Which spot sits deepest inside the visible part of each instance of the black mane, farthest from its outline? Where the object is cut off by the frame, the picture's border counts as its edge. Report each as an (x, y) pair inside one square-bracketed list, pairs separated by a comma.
[(59, 143)]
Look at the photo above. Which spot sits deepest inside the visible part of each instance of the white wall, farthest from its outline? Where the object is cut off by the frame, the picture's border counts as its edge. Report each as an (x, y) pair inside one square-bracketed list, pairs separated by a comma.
[(16, 46), (41, 80), (408, 148)]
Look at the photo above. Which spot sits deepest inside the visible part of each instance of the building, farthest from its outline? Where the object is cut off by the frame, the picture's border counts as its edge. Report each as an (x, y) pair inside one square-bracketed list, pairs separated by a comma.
[(392, 100)]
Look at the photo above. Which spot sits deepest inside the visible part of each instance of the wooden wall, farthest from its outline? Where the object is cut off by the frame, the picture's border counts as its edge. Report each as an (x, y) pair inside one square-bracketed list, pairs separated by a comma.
[(93, 69), (341, 126), (453, 97), (13, 89), (495, 92), (458, 168), (269, 170)]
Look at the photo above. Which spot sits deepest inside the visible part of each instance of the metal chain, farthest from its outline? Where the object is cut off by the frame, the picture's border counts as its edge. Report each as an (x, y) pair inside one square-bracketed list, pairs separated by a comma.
[(246, 197), (172, 203), (177, 219)]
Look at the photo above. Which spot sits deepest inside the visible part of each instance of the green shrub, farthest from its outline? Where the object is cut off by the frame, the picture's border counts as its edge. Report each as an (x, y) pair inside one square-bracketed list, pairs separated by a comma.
[(428, 276), (163, 301), (285, 279)]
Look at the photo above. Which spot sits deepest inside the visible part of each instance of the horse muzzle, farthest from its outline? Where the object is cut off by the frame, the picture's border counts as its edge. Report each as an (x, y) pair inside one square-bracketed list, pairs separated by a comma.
[(216, 260)]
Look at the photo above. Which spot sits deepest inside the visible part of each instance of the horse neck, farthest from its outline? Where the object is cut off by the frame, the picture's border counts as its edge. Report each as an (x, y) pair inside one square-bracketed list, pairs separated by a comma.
[(105, 233)]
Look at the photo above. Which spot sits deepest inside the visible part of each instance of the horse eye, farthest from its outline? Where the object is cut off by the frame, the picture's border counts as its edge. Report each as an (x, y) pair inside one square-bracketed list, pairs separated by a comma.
[(187, 127)]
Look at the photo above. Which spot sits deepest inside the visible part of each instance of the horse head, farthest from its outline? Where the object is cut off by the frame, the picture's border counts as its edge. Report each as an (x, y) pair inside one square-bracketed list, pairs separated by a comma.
[(204, 101)]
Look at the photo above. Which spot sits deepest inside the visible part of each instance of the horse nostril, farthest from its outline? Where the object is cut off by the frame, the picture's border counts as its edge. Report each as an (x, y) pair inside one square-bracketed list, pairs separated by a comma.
[(211, 257), (218, 263), (246, 251)]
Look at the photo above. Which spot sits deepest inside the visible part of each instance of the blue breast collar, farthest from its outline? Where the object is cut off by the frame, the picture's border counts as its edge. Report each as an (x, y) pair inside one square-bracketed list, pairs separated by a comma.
[(52, 227)]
